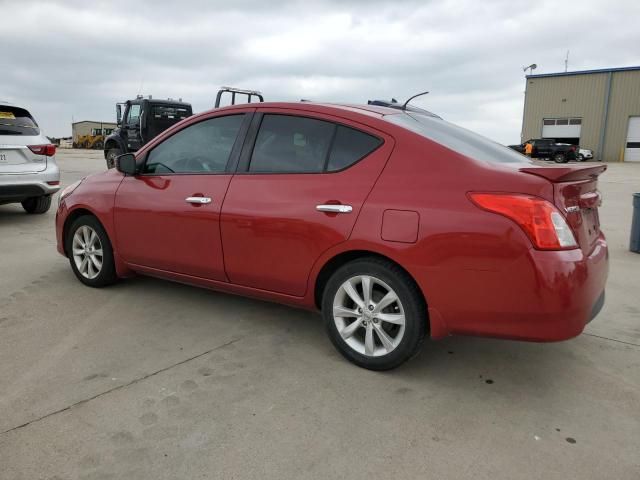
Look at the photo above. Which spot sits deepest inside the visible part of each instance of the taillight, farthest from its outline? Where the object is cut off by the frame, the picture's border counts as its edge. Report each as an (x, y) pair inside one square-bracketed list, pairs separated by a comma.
[(48, 150), (541, 221)]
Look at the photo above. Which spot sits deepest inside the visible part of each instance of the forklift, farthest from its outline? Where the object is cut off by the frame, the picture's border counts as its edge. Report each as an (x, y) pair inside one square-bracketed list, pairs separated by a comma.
[(142, 119)]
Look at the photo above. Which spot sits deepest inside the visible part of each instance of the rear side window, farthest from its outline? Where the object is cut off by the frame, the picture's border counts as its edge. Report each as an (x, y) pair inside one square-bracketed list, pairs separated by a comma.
[(17, 121), (349, 146), (203, 147), (292, 144), (170, 112)]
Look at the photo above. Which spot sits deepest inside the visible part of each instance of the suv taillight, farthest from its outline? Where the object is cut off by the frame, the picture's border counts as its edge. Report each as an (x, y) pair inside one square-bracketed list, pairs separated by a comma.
[(48, 150), (541, 221)]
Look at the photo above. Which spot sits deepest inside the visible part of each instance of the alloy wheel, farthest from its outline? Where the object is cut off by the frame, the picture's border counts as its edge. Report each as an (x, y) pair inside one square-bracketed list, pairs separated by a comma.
[(369, 316), (87, 252)]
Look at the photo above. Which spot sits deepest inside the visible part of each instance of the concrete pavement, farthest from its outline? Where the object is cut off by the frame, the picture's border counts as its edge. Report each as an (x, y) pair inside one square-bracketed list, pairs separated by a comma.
[(153, 380)]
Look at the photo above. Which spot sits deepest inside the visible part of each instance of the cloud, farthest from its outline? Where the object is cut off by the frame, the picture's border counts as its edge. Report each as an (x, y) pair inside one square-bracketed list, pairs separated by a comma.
[(76, 59)]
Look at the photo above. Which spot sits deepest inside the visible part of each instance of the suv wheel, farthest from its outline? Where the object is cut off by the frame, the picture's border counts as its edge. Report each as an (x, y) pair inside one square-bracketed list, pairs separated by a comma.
[(90, 252), (37, 204), (112, 153), (580, 157), (374, 314), (560, 158)]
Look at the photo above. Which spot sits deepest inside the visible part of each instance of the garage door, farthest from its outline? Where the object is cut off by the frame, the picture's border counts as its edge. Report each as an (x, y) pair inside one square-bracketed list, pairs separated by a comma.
[(632, 150), (561, 128)]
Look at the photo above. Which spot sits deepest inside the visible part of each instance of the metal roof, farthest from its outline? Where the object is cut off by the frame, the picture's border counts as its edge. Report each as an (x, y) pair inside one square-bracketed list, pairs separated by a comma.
[(585, 72), (94, 121)]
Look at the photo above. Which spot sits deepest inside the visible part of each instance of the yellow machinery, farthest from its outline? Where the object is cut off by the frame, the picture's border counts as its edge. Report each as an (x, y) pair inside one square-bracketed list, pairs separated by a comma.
[(94, 142)]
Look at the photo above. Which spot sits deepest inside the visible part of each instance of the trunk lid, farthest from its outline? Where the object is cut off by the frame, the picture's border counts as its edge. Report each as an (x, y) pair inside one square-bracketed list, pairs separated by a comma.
[(17, 158), (575, 193)]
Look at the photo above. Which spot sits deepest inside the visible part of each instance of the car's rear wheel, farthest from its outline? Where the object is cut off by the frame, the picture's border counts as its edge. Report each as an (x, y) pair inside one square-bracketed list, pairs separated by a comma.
[(90, 253), (37, 204), (112, 154), (560, 158), (374, 313), (580, 157)]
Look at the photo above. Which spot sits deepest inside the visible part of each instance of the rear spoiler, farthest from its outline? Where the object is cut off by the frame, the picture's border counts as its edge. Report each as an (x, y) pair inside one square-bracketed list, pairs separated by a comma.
[(558, 174)]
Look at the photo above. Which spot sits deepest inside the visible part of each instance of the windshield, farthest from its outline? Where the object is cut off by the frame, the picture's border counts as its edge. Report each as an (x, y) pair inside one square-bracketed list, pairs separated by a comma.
[(17, 121), (457, 138)]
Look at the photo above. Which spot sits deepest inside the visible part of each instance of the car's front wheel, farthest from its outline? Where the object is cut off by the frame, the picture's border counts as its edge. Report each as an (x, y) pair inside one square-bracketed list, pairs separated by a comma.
[(37, 204), (90, 253), (374, 313)]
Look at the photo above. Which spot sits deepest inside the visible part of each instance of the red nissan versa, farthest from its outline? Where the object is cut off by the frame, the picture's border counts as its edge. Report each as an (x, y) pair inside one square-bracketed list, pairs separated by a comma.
[(392, 222)]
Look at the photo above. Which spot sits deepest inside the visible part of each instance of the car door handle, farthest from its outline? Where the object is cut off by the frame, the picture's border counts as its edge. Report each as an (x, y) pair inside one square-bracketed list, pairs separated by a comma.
[(334, 208), (198, 200)]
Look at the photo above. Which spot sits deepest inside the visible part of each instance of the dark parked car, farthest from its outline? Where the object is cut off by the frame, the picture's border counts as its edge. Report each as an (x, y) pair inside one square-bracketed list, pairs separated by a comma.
[(548, 148)]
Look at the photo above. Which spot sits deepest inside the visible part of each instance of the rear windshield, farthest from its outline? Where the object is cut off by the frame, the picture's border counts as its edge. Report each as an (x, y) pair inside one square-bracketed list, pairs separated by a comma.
[(17, 121), (457, 138)]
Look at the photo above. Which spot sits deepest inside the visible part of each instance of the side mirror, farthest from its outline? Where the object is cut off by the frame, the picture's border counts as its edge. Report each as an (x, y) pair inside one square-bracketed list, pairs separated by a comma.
[(127, 164), (119, 113)]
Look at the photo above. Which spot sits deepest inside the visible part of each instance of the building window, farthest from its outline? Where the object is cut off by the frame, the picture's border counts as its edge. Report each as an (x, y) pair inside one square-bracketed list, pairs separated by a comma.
[(562, 121)]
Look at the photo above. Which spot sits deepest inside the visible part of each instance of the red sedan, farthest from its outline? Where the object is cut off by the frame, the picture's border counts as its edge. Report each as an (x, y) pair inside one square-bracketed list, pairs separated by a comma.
[(392, 222)]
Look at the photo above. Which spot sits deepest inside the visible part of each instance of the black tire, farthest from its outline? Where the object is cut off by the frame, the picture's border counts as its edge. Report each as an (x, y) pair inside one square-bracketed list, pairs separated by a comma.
[(107, 274), (112, 153), (560, 158), (580, 157), (37, 204), (98, 146), (412, 301)]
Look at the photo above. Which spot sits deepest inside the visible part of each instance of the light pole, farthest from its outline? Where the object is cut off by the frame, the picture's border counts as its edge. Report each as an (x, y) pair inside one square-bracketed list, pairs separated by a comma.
[(531, 68)]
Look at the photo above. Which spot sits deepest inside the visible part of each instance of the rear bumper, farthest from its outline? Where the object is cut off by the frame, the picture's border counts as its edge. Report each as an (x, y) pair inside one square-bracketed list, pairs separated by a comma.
[(15, 187), (546, 296)]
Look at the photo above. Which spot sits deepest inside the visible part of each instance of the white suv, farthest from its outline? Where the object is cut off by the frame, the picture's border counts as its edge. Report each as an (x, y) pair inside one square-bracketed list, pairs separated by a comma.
[(28, 171)]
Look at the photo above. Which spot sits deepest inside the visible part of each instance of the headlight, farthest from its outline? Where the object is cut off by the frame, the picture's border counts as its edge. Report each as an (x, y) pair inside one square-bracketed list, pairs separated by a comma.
[(66, 191)]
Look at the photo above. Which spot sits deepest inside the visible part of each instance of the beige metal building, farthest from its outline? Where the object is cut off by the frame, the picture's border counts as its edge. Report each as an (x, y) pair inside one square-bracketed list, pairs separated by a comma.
[(596, 109), (88, 127)]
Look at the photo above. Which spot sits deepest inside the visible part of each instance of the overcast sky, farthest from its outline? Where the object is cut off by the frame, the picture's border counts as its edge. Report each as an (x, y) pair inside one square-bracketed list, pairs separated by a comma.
[(77, 58)]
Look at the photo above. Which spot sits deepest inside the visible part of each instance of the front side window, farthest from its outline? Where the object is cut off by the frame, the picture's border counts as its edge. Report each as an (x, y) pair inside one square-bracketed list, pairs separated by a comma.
[(203, 147), (133, 117)]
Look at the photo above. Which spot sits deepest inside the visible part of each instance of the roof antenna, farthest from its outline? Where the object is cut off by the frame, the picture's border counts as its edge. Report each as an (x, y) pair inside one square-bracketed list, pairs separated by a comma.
[(404, 105)]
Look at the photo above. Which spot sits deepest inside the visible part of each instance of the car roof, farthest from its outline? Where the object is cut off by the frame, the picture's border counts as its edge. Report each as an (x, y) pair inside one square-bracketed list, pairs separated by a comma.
[(320, 107), (9, 104)]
